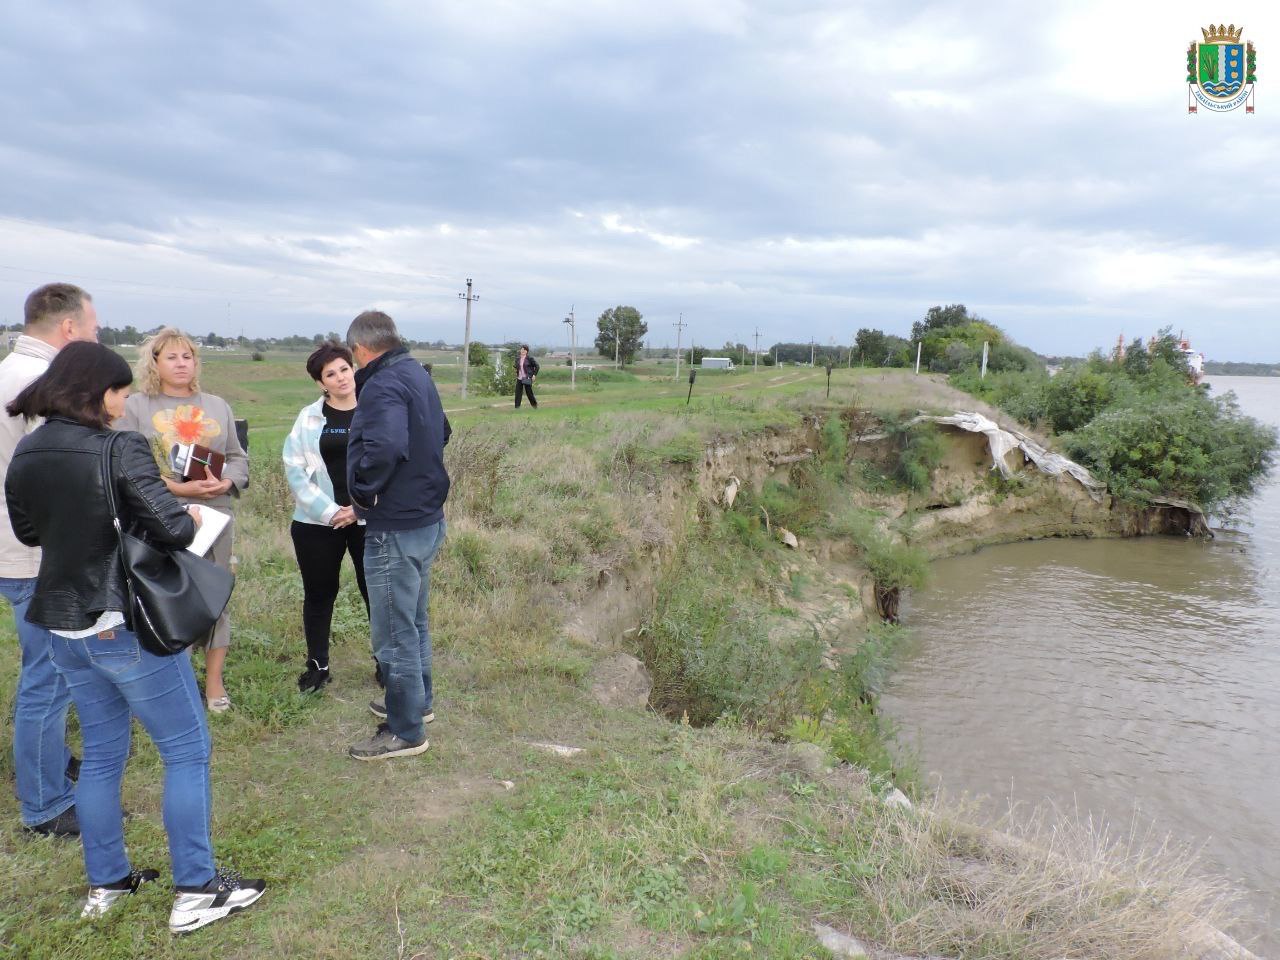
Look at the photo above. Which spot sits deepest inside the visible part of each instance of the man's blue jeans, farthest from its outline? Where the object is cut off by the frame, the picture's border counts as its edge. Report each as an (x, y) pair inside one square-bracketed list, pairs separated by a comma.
[(112, 680), (397, 571), (40, 751)]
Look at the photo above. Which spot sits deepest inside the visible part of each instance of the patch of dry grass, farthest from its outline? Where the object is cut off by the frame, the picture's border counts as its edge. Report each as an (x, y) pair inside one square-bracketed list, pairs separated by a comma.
[(1047, 886)]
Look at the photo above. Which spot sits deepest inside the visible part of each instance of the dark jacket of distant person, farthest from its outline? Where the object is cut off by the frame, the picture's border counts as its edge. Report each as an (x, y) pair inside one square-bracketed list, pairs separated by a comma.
[(531, 368)]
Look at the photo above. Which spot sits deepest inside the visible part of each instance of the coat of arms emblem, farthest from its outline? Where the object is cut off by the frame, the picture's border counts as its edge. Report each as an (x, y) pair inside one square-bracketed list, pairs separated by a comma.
[(1221, 71)]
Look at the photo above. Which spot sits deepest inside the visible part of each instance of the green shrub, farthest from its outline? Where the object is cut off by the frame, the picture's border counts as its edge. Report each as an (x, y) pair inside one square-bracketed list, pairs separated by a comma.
[(840, 708), (1181, 444), (797, 507), (920, 450), (1078, 394), (1023, 394), (708, 648), (893, 565)]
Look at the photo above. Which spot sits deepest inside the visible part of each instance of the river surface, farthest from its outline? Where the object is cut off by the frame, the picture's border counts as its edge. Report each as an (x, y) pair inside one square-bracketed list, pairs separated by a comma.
[(1132, 679)]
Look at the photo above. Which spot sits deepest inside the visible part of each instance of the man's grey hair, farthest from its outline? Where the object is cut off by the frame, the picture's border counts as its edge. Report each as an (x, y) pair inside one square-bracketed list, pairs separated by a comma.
[(374, 331), (52, 303)]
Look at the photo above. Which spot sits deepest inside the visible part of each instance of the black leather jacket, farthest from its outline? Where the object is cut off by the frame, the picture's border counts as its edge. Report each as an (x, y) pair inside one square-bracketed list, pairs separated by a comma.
[(57, 502)]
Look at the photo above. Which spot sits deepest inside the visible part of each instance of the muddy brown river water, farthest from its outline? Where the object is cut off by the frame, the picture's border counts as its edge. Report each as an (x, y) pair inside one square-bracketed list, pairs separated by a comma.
[(1121, 678)]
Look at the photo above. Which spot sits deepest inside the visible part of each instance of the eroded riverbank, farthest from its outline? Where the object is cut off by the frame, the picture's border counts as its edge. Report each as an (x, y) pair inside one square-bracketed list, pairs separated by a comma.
[(1129, 679)]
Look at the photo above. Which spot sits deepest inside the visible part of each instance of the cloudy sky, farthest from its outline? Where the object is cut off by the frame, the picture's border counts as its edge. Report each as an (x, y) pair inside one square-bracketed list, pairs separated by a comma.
[(804, 168)]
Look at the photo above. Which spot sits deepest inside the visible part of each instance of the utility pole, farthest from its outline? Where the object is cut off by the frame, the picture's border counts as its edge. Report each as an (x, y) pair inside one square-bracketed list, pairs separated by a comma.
[(679, 325), (466, 336), (617, 340), (755, 358), (573, 351), (811, 351)]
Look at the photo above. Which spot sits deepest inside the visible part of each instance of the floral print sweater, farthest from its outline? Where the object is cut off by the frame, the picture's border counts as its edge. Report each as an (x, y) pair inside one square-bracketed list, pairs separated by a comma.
[(202, 418)]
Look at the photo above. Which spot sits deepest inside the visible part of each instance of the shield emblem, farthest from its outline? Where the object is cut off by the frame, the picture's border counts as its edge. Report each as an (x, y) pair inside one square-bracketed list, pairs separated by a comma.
[(1220, 71)]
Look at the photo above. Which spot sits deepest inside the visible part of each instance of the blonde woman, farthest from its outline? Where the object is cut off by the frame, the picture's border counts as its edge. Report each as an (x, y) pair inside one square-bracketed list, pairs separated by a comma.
[(170, 410)]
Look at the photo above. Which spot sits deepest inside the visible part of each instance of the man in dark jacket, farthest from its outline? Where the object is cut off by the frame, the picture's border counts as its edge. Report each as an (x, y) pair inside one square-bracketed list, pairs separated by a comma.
[(398, 485)]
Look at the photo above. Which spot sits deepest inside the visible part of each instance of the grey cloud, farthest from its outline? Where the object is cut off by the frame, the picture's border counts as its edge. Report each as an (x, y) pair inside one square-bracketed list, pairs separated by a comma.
[(263, 140)]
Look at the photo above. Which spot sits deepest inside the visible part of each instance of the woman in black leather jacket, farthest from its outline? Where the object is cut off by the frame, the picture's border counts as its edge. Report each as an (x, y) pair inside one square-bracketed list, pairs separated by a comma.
[(57, 502)]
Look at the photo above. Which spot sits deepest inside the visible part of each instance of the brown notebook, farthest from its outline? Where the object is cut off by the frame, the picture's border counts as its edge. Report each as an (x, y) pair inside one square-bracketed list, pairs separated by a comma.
[(200, 463)]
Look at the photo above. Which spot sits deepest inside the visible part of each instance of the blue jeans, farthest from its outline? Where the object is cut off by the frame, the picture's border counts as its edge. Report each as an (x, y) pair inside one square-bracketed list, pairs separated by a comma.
[(40, 751), (397, 571), (112, 680)]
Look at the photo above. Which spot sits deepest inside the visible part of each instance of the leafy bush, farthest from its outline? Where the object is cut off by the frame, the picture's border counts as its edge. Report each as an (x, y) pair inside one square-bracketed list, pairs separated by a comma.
[(1182, 444), (1142, 425), (1077, 395)]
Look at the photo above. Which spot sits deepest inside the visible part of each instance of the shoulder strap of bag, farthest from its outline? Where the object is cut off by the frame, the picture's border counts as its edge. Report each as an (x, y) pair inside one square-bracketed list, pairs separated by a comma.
[(108, 482), (109, 486)]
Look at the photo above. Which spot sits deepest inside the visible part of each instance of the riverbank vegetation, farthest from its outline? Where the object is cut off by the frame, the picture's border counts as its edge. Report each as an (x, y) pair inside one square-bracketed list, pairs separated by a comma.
[(1141, 424), (721, 822)]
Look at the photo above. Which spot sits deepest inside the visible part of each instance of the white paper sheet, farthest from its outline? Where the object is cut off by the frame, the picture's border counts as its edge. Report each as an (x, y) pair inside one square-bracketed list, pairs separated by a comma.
[(212, 523)]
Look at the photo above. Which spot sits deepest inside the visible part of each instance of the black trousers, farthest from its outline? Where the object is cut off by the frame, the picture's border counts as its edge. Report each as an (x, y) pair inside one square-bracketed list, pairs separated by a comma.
[(319, 550), (527, 388)]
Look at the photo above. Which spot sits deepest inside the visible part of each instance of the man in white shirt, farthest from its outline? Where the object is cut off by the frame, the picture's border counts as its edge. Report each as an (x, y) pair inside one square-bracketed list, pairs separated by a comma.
[(55, 315)]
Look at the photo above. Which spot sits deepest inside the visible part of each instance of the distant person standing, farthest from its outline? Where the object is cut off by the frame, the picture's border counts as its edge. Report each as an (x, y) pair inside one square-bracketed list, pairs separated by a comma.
[(398, 485), (171, 410), (526, 373), (325, 527), (53, 316)]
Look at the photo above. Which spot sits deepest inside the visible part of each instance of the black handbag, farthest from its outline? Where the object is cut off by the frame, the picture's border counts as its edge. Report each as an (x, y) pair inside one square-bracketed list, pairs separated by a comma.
[(175, 597)]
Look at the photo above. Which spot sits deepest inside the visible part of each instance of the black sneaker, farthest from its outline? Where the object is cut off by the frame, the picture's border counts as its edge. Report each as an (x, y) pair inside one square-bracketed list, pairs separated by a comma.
[(226, 893), (379, 710), (384, 745), (65, 824), (314, 677), (102, 899)]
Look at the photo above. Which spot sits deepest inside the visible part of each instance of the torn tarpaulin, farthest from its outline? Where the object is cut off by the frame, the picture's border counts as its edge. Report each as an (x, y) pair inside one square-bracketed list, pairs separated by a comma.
[(1000, 441)]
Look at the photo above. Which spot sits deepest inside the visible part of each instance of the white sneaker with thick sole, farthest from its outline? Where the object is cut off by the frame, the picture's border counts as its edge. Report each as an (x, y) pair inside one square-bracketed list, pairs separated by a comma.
[(225, 894), (102, 899)]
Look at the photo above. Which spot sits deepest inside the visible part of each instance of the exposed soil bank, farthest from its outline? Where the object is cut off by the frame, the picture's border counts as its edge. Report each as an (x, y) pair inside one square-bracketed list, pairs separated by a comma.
[(966, 507)]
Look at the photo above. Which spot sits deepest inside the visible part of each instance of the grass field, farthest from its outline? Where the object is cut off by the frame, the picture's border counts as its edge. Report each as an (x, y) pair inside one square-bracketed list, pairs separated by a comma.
[(659, 839)]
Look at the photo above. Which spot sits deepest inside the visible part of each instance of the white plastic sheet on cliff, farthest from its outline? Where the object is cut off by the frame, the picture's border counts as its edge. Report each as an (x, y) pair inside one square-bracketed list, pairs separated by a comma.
[(1000, 441)]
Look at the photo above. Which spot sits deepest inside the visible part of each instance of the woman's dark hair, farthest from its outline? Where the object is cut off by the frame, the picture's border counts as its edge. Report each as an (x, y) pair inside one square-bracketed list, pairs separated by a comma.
[(73, 385), (324, 355), (525, 348)]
